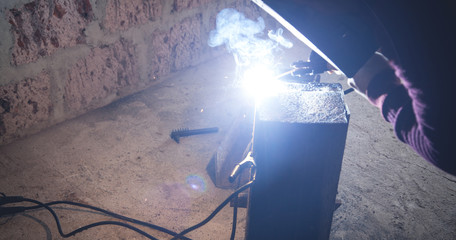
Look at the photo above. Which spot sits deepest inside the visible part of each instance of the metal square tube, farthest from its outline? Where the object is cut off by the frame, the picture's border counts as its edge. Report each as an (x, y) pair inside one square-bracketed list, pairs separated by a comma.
[(299, 140)]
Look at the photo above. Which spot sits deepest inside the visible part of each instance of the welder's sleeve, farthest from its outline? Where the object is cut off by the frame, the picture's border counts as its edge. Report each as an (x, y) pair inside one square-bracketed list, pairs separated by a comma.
[(419, 115)]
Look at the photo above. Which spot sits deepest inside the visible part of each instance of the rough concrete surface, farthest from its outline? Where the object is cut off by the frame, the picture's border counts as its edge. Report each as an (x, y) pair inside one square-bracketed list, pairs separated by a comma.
[(121, 158), (95, 52)]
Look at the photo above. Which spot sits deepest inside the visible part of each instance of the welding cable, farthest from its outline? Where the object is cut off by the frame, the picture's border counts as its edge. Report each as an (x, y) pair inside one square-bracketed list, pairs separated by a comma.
[(217, 210), (112, 214), (59, 227), (115, 215), (176, 236), (1, 212), (233, 226)]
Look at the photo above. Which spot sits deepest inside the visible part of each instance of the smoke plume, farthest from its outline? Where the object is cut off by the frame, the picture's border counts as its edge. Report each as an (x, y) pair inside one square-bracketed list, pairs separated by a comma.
[(245, 38)]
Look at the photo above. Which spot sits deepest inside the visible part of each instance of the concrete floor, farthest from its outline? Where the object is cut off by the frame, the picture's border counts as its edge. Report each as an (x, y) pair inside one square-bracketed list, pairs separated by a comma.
[(121, 158)]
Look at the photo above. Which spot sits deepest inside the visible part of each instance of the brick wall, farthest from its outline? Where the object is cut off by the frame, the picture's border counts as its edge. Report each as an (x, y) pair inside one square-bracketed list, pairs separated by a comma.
[(62, 58)]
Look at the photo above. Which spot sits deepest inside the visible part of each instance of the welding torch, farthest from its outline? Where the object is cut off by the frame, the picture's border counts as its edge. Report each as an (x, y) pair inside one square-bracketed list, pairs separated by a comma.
[(313, 66)]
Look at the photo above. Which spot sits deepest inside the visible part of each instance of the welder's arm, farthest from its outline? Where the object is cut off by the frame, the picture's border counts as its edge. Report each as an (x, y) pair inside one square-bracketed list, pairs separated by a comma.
[(418, 117)]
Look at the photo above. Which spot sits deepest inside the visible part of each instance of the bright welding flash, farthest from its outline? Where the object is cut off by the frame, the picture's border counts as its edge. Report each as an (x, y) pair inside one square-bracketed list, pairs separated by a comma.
[(261, 82)]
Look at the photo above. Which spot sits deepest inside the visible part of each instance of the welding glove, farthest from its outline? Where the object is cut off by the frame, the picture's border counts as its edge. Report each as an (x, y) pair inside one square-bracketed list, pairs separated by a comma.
[(315, 65), (301, 68), (375, 65)]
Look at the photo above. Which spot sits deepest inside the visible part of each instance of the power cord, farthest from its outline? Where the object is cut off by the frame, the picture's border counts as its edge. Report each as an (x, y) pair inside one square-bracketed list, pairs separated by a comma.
[(233, 226), (17, 199), (217, 210), (19, 209), (115, 215)]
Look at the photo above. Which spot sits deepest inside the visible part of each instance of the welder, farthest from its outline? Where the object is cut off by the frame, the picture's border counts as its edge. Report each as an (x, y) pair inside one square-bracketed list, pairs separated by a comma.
[(413, 89), (408, 75)]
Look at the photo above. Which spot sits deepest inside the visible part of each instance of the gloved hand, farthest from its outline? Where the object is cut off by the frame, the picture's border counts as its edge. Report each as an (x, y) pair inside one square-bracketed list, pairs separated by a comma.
[(375, 65), (315, 65), (301, 68)]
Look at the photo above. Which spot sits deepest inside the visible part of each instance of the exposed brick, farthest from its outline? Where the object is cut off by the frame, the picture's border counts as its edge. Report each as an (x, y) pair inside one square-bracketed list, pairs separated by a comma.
[(121, 15), (59, 11), (185, 42), (248, 8), (105, 71), (23, 105), (42, 26), (180, 5), (84, 9), (159, 54), (177, 49)]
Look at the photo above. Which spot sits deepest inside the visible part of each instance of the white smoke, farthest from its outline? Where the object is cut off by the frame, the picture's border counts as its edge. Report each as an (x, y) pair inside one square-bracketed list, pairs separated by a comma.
[(245, 38), (278, 37)]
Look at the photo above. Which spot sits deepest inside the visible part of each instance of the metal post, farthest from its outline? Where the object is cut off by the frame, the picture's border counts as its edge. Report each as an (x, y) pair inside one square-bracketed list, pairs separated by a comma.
[(299, 140)]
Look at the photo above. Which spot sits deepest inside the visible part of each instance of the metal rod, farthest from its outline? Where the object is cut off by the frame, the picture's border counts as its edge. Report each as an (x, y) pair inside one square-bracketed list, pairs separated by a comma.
[(185, 132), (284, 74)]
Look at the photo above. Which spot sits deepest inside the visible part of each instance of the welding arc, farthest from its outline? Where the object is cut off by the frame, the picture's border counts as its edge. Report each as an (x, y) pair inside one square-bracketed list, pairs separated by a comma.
[(217, 210)]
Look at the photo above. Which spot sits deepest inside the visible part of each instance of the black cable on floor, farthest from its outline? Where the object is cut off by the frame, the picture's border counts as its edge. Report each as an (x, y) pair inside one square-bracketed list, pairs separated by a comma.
[(15, 210), (16, 199), (217, 210), (59, 227), (233, 226), (115, 215)]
